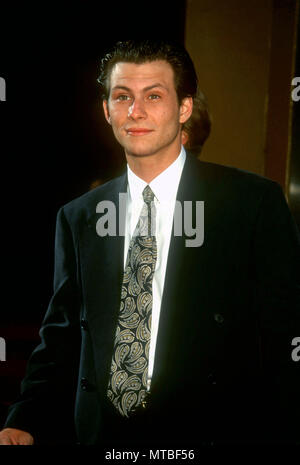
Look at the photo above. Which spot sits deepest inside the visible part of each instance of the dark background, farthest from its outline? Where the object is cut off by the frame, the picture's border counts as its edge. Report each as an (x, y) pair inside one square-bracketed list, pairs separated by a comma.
[(294, 184)]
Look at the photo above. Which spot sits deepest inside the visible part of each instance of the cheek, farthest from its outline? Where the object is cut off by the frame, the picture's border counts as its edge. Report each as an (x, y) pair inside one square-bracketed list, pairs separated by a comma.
[(118, 114), (168, 116), (171, 121), (117, 119)]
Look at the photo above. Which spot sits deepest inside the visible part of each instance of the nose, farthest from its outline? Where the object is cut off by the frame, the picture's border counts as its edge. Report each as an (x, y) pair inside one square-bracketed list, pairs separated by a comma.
[(137, 109)]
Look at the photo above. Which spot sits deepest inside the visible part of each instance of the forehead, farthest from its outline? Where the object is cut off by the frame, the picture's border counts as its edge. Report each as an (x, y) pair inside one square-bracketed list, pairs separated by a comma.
[(134, 75)]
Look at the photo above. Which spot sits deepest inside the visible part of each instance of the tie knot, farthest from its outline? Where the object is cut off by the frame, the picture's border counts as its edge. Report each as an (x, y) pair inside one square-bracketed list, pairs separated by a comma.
[(148, 195)]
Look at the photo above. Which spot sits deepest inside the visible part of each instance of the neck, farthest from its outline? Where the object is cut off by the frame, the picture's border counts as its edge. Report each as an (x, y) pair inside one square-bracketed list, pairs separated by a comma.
[(149, 167)]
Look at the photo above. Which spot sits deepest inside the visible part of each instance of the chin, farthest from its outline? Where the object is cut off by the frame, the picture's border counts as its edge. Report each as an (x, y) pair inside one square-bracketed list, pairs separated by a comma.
[(136, 150)]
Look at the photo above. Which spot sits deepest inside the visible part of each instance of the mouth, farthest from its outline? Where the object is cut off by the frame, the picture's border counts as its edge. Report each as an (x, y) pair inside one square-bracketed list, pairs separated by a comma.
[(138, 131)]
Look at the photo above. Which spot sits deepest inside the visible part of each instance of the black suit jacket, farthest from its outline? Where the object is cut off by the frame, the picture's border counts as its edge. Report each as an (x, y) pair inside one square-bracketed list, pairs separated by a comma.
[(223, 368)]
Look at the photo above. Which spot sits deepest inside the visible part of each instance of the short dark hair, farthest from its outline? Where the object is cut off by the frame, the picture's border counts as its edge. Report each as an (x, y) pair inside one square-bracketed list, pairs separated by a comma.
[(143, 51)]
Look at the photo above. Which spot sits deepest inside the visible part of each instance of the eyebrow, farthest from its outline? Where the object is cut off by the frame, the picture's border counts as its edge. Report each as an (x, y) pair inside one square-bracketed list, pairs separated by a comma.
[(144, 89)]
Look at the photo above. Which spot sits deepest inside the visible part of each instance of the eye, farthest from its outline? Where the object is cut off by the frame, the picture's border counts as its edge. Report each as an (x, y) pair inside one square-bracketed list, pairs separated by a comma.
[(154, 97), (122, 98)]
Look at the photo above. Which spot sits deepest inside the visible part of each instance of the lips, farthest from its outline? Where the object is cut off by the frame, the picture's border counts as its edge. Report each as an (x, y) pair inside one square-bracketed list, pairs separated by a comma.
[(138, 131)]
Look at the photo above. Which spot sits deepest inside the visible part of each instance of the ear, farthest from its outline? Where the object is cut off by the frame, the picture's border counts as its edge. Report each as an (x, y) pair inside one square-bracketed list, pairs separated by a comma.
[(106, 111), (185, 109)]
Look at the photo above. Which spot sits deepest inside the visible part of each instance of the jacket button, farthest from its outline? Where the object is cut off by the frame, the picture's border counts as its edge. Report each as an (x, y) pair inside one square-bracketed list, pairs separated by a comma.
[(219, 318), (84, 324), (84, 384), (212, 379)]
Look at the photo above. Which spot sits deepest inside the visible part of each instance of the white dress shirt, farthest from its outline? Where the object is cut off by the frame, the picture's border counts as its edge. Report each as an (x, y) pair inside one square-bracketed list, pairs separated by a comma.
[(164, 187)]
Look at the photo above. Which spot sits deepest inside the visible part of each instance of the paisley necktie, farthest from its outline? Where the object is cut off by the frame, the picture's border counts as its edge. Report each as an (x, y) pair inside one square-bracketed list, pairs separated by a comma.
[(127, 388)]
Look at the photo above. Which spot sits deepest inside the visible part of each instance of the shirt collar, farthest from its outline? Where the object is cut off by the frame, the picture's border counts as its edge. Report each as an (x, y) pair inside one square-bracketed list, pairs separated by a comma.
[(164, 186)]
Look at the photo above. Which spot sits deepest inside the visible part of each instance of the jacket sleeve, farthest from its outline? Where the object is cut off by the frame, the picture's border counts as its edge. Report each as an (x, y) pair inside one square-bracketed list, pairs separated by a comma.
[(45, 407), (277, 270)]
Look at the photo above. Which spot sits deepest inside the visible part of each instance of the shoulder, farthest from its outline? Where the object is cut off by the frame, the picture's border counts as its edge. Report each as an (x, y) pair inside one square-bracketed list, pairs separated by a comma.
[(229, 179)]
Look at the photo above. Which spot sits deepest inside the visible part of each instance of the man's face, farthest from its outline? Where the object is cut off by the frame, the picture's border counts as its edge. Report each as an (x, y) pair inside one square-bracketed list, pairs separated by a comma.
[(143, 108)]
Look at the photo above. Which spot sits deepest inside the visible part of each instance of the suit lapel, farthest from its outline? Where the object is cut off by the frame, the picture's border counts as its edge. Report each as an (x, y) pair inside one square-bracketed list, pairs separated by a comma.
[(173, 308), (102, 269)]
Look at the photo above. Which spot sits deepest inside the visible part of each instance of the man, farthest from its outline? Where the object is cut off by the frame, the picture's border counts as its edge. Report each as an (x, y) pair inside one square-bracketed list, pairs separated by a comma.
[(154, 336)]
